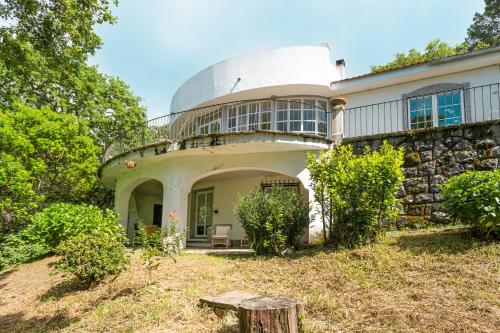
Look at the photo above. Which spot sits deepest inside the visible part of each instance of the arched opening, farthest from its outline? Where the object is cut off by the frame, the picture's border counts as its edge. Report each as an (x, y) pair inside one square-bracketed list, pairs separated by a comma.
[(145, 206), (211, 201)]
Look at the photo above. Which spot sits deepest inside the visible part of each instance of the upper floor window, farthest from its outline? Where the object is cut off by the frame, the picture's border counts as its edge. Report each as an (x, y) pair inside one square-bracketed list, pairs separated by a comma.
[(210, 123), (449, 108), (436, 110), (306, 115)]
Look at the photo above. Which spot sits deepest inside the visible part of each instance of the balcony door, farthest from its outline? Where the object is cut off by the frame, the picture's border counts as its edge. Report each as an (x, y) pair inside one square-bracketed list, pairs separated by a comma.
[(204, 202)]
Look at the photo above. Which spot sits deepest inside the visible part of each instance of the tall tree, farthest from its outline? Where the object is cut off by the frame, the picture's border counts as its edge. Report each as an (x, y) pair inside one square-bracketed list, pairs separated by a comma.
[(44, 47), (483, 32), (485, 27), (45, 157)]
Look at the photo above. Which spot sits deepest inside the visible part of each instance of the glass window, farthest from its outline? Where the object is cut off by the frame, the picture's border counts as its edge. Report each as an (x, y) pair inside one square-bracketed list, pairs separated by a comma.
[(210, 123), (282, 116), (253, 116), (420, 112), (265, 115), (321, 117), (242, 117), (309, 115), (295, 115), (449, 108), (231, 119)]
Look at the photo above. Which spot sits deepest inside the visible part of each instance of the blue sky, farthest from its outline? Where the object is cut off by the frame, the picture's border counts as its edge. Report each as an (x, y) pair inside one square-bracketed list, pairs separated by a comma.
[(158, 44)]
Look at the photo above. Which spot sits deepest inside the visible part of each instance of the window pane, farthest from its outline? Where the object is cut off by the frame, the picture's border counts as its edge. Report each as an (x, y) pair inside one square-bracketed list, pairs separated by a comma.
[(449, 108)]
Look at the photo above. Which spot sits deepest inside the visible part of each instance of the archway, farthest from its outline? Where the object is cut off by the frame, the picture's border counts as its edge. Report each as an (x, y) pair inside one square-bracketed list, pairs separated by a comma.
[(212, 196), (145, 206)]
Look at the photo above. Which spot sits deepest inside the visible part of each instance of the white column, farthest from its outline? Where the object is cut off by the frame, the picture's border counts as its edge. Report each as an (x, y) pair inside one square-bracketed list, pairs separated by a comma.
[(315, 226), (175, 200)]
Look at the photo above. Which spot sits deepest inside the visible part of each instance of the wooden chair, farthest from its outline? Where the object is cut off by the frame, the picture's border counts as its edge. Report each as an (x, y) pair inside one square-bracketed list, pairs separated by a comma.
[(220, 235)]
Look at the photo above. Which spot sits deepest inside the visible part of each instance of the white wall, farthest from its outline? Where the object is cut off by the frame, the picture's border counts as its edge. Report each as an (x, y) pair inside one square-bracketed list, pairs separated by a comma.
[(226, 191), (305, 70), (375, 119), (179, 174)]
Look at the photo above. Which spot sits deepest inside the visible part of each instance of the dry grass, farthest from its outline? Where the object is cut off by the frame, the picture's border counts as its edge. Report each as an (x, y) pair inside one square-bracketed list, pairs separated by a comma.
[(426, 281)]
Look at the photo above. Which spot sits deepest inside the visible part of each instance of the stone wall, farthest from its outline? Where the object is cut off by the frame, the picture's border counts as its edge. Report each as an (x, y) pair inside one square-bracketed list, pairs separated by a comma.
[(431, 157)]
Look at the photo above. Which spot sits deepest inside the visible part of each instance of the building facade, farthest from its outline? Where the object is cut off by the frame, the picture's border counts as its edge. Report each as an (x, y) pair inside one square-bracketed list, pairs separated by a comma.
[(251, 121)]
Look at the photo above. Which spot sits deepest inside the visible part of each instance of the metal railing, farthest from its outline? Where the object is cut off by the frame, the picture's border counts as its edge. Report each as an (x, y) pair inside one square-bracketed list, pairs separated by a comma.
[(311, 116), (436, 109), (298, 114)]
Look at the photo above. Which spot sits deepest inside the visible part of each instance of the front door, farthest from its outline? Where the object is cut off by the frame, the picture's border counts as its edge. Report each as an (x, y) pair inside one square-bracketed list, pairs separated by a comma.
[(204, 212)]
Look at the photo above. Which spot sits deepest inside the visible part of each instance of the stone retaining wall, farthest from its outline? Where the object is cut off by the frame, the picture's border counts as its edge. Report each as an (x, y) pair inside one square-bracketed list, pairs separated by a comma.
[(431, 157)]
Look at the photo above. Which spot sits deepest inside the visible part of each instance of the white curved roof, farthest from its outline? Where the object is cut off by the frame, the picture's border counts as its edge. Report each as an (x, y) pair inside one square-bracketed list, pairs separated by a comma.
[(286, 71)]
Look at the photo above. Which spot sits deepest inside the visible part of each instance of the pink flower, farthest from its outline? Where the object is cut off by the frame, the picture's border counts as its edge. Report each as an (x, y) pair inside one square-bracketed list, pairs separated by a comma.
[(171, 215)]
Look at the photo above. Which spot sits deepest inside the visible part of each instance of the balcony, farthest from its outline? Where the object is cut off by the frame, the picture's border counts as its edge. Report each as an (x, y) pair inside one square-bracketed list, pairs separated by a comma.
[(436, 109), (311, 117), (300, 115)]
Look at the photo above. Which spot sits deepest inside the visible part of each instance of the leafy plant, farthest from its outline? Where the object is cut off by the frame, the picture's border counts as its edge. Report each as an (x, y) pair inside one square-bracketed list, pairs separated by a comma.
[(160, 243), (93, 256), (356, 195), (473, 198), (46, 157), (274, 220), (16, 249), (62, 221)]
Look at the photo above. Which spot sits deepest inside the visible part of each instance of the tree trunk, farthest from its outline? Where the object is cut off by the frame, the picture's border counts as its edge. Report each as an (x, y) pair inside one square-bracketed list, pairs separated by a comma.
[(269, 314)]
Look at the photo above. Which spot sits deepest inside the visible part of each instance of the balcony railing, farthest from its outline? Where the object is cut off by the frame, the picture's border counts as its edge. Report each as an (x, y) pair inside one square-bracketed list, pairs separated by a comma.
[(312, 116), (299, 114), (438, 109)]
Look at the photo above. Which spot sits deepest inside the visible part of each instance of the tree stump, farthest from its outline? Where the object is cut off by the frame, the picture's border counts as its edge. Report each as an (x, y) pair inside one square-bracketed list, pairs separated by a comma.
[(267, 314)]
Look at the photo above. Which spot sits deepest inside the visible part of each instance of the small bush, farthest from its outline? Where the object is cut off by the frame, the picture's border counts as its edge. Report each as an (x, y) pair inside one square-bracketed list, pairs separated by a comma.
[(473, 198), (160, 243), (357, 194), (92, 257), (274, 221), (16, 249), (63, 221)]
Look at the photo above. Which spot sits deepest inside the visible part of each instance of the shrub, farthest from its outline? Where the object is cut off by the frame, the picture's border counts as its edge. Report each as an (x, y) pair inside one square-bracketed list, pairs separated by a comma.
[(160, 243), (274, 220), (92, 256), (473, 198), (16, 249), (62, 221), (357, 194)]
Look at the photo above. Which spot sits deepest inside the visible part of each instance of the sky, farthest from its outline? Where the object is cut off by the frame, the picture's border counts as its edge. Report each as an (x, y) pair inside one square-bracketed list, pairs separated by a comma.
[(156, 45)]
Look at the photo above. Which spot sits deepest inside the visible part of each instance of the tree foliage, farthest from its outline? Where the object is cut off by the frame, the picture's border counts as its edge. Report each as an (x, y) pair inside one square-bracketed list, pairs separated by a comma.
[(356, 195), (44, 157), (44, 46), (62, 221), (485, 27), (483, 32), (275, 220), (473, 198)]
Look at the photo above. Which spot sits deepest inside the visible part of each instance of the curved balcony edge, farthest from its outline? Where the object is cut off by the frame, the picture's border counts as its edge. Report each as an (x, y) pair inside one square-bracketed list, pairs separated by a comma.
[(298, 115)]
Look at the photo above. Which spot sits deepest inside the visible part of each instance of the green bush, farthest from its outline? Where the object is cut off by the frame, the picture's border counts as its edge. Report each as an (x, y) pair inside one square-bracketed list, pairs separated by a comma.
[(16, 249), (357, 194), (473, 198), (274, 220), (62, 221), (92, 256)]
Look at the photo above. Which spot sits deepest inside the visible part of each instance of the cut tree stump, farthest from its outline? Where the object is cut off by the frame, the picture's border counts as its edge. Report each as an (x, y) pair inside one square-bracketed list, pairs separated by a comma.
[(227, 301), (267, 314)]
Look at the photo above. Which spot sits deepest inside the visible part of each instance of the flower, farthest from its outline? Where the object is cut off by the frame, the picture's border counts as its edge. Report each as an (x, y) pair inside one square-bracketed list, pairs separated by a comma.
[(171, 215)]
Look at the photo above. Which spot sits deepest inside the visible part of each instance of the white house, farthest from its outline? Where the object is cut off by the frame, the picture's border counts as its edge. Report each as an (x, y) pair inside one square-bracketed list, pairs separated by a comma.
[(251, 121)]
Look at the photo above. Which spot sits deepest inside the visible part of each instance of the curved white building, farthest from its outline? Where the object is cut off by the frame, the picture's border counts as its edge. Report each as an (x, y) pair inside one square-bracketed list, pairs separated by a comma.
[(251, 121)]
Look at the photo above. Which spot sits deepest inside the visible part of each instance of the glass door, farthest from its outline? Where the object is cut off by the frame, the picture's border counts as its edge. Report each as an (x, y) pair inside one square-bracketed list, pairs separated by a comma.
[(204, 212)]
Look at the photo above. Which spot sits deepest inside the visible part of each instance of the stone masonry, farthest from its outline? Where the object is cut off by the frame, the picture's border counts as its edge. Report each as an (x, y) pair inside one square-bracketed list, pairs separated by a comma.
[(431, 157)]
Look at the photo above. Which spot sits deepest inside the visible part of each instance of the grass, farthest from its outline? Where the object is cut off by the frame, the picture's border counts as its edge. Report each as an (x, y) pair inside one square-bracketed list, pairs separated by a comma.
[(421, 281)]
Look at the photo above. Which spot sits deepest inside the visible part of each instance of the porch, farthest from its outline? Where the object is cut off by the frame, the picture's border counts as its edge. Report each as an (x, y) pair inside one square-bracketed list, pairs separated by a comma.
[(210, 203)]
